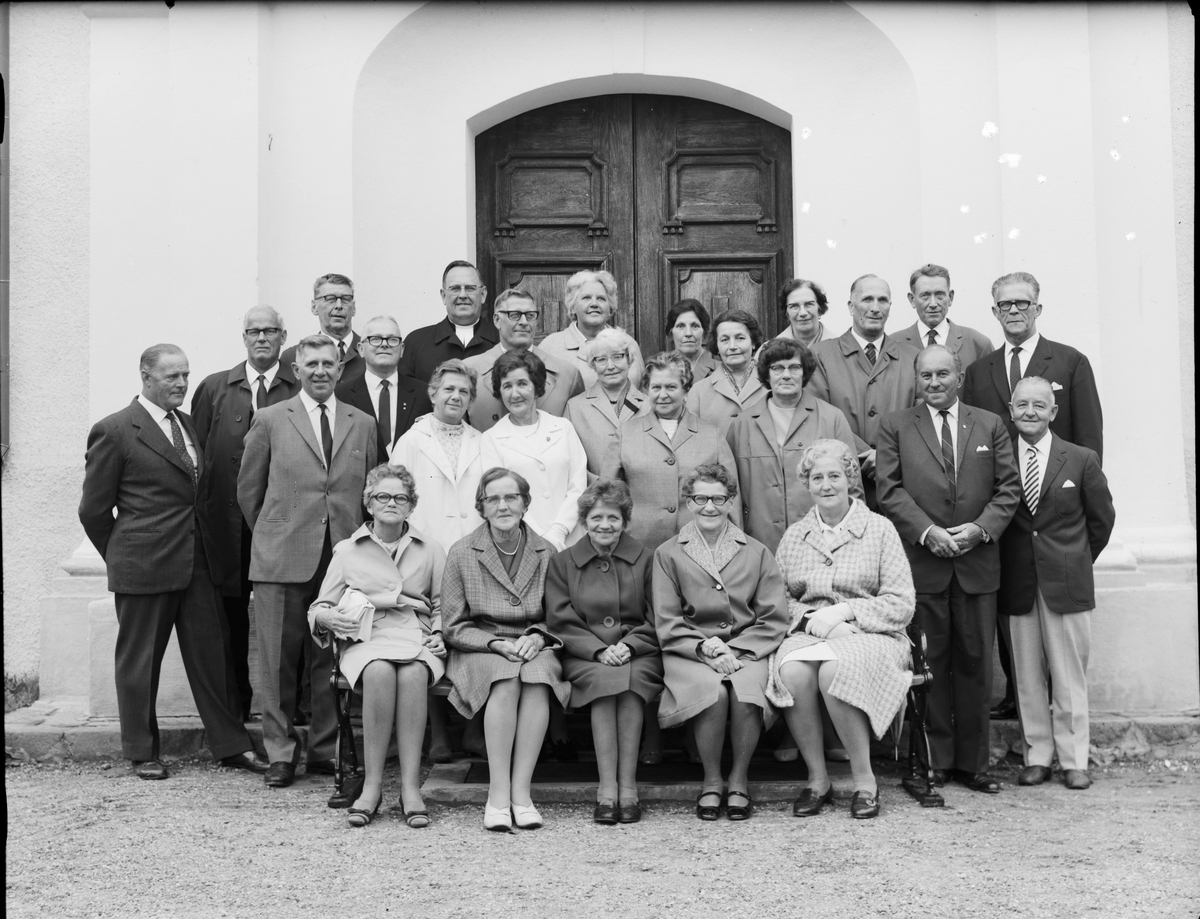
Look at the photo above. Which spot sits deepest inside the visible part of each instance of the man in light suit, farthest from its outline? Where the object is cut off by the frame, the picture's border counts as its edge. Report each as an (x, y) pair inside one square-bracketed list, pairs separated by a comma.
[(948, 482), (990, 381), (146, 463), (1061, 526), (394, 400), (515, 313), (465, 332), (222, 407), (931, 296), (334, 306), (865, 373), (300, 488)]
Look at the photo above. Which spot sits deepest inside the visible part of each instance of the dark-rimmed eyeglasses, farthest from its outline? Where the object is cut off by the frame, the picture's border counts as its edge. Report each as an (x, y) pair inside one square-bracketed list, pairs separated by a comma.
[(255, 333), (518, 315), (460, 289), (383, 499), (701, 500), (510, 500), (331, 299), (791, 369), (1020, 306), (375, 341)]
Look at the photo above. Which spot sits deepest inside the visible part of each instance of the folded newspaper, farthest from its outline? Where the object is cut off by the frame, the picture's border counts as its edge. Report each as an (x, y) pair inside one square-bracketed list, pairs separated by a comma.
[(354, 603)]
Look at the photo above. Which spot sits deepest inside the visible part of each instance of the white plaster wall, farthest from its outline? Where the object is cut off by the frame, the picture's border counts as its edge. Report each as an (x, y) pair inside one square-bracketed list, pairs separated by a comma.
[(48, 99)]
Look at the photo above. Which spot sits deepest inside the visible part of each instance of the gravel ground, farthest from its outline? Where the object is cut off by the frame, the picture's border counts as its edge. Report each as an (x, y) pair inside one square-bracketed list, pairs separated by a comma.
[(92, 840)]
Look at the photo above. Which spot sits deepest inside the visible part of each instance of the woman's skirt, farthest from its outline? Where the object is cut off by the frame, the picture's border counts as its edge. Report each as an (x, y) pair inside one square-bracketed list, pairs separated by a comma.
[(691, 686), (389, 643), (474, 672), (591, 680)]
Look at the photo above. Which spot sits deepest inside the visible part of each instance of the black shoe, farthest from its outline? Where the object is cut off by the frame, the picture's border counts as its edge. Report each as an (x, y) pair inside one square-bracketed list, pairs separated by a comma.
[(809, 803), (1077, 779), (280, 775), (321, 767), (250, 761), (1005, 710), (629, 813), (564, 751), (864, 806), (605, 813), (299, 719), (150, 769), (1033, 775), (709, 811), (739, 812), (978, 781)]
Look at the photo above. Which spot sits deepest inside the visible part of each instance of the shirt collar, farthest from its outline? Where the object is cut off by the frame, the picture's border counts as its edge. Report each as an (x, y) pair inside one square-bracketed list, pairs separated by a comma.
[(825, 527), (310, 404), (252, 374), (373, 381), (862, 342), (1041, 447), (936, 418), (942, 329), (1026, 346), (158, 413)]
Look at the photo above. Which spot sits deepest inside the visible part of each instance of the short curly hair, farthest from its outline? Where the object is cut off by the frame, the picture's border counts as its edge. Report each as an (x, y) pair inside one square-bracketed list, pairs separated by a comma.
[(495, 474), (709, 472), (671, 361), (781, 349), (519, 360), (742, 318), (453, 366), (835, 448), (387, 471), (612, 492)]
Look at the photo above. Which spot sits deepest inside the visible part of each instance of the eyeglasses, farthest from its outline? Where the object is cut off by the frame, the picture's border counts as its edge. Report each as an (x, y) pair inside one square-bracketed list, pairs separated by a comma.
[(701, 500), (383, 499), (375, 341), (331, 299), (603, 360), (939, 295), (797, 307), (459, 289), (255, 333), (518, 315), (494, 500), (1021, 306), (791, 369)]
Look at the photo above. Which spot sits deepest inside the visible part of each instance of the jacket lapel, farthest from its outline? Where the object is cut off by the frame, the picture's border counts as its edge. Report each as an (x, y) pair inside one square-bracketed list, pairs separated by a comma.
[(803, 412), (651, 426), (432, 448), (1039, 361), (689, 424), (153, 437), (966, 424), (531, 561), (1054, 464), (1000, 375), (299, 418), (766, 423), (600, 403), (345, 417), (928, 434)]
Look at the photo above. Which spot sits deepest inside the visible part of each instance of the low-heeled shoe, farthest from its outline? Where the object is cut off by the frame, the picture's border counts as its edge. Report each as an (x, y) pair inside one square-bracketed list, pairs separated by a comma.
[(809, 803), (280, 775), (651, 758), (526, 816), (249, 760), (1077, 779), (864, 805), (496, 818), (150, 769), (359, 817), (629, 813), (978, 781), (605, 813), (321, 767), (709, 811), (1005, 710), (1033, 775), (739, 811)]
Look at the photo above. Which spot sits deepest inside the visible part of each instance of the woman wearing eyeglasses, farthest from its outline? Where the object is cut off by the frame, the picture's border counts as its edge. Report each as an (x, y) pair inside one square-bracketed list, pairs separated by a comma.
[(400, 571), (597, 415), (802, 303), (503, 659), (720, 610)]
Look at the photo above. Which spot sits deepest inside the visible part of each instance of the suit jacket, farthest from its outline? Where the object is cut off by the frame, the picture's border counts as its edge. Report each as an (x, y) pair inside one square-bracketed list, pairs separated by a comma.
[(222, 411), (1079, 418), (131, 466), (288, 496), (1053, 550), (428, 346), (409, 396), (563, 382), (353, 367), (914, 494), (968, 344), (597, 424), (864, 392)]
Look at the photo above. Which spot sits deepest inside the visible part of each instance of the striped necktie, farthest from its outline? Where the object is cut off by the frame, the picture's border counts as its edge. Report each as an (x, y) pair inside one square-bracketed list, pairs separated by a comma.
[(1033, 485), (871, 354)]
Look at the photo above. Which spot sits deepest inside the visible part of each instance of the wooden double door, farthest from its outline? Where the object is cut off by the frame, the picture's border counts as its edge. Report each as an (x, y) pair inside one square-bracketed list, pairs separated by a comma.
[(677, 197)]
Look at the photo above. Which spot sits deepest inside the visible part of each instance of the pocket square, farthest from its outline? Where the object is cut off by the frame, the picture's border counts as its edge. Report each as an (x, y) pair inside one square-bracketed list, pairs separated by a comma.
[(982, 448), (1068, 484), (1056, 386)]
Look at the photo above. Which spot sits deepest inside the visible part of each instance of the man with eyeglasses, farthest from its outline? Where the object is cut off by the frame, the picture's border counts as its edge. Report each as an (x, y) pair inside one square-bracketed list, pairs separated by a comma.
[(930, 295), (990, 381), (223, 406), (464, 333), (515, 314), (333, 305), (393, 399)]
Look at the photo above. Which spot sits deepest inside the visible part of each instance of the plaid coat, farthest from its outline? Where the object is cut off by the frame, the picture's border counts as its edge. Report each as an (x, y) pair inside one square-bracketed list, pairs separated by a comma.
[(480, 603)]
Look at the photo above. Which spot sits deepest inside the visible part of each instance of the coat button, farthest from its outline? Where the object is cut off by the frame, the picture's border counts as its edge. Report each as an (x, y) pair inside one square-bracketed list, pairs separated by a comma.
[(671, 510), (231, 502), (463, 515), (323, 520), (391, 586), (828, 561), (233, 459), (542, 466), (514, 600), (604, 566), (724, 624), (1035, 532), (871, 413), (545, 494), (237, 417), (670, 461), (609, 622), (719, 587)]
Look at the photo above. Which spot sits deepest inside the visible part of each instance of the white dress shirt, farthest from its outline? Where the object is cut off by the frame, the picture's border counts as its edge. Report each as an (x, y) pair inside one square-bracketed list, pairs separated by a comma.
[(1041, 450), (936, 417), (1026, 347), (314, 413), (942, 329), (159, 415), (374, 388), (252, 376), (862, 343)]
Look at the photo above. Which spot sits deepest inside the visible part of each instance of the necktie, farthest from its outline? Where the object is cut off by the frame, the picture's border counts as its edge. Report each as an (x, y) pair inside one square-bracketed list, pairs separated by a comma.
[(341, 352), (385, 413), (181, 447), (326, 435), (260, 397), (871, 352), (948, 454), (932, 337), (1032, 486), (1014, 370)]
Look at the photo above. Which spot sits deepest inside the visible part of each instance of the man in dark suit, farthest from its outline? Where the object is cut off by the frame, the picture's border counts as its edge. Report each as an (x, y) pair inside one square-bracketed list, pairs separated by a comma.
[(145, 462), (394, 400), (930, 295), (222, 407), (948, 482), (990, 381), (300, 489), (465, 332), (333, 305), (1046, 588)]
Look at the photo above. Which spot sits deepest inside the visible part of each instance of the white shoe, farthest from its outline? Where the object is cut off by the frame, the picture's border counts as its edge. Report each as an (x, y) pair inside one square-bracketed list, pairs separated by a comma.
[(496, 818), (786, 754), (526, 816), (837, 755)]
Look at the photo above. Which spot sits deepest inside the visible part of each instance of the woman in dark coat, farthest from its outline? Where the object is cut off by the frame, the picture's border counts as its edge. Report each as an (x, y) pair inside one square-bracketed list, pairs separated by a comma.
[(598, 605)]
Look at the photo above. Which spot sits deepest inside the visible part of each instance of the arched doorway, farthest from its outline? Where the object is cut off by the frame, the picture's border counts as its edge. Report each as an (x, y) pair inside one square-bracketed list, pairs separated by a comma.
[(677, 197)]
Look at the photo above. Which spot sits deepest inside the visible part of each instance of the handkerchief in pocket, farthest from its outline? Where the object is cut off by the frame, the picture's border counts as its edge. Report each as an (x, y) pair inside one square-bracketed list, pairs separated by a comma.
[(1068, 484), (982, 448), (1055, 386)]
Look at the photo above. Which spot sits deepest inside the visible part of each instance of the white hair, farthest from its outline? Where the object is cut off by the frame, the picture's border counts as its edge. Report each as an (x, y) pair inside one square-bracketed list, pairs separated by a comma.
[(608, 340), (270, 309)]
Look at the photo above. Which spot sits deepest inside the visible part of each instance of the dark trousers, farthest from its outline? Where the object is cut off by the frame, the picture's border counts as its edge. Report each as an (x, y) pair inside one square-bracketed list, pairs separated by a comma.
[(144, 623), (959, 629), (237, 621), (1004, 649), (281, 624)]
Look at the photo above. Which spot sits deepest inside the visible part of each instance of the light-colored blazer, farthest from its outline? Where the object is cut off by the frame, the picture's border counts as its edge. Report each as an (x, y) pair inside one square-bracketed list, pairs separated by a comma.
[(554, 463), (714, 401), (563, 382), (968, 344), (704, 367), (597, 424), (446, 497), (568, 345), (655, 467), (288, 496)]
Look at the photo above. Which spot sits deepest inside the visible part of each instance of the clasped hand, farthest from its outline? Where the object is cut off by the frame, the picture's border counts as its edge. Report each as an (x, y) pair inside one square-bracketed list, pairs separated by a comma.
[(955, 541), (830, 622), (615, 655), (719, 656), (525, 648), (434, 644)]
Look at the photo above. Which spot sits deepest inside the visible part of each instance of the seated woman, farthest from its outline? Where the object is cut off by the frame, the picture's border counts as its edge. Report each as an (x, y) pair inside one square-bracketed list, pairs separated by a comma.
[(851, 600), (720, 611), (598, 604), (400, 572), (502, 655)]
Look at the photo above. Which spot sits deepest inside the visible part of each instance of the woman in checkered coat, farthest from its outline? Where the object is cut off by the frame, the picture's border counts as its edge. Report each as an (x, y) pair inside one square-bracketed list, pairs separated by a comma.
[(501, 654)]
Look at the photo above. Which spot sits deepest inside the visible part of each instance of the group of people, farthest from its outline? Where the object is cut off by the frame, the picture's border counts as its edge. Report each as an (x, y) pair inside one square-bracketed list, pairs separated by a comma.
[(709, 536)]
